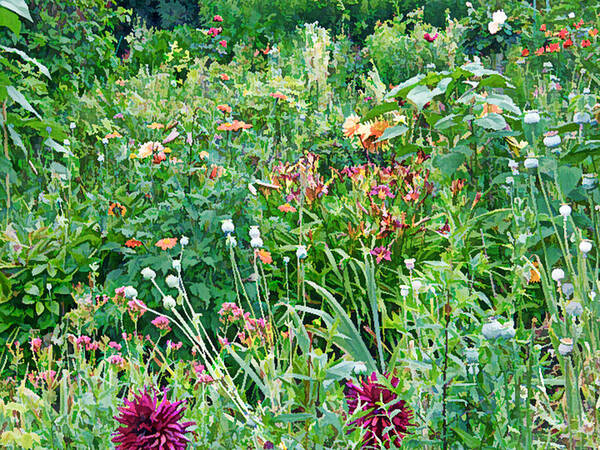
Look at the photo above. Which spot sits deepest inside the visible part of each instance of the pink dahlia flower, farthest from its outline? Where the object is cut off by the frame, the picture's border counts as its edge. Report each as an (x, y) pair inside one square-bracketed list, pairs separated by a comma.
[(384, 417), (147, 424)]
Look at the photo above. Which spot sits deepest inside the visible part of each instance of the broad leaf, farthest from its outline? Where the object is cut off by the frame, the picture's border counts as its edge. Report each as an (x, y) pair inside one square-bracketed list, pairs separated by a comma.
[(18, 97)]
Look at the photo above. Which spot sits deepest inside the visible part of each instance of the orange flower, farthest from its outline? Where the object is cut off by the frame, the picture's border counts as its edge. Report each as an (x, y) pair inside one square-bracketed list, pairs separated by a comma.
[(120, 82), (166, 243), (264, 256), (279, 96), (235, 126), (286, 208), (534, 274), (112, 135), (594, 32), (121, 209), (553, 47), (578, 25), (224, 77), (489, 108), (351, 125), (203, 154), (563, 33), (224, 108), (543, 27), (156, 126), (525, 53), (539, 51), (133, 243)]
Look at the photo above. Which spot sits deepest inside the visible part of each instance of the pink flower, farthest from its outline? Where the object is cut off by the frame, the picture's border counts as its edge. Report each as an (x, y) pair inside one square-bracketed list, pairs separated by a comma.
[(223, 43), (117, 360), (218, 18), (83, 341), (214, 32), (118, 116), (114, 345), (381, 253), (174, 346), (162, 323), (382, 191), (430, 38), (224, 342), (36, 344)]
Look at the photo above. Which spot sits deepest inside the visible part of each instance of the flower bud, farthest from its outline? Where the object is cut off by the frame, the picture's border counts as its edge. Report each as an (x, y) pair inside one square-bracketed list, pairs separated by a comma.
[(172, 281), (227, 226), (148, 273), (531, 163), (301, 252), (531, 117), (566, 346), (558, 274), (585, 246), (254, 232), (130, 292), (565, 210), (169, 302), (256, 242), (574, 308)]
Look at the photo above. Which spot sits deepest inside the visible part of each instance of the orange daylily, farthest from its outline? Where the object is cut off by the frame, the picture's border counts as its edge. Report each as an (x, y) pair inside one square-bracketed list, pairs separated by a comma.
[(224, 108), (264, 256)]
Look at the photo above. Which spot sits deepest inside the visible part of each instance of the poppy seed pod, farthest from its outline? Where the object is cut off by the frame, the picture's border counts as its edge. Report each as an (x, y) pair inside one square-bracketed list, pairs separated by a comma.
[(566, 346), (585, 246), (531, 163), (531, 117), (227, 226), (565, 210), (254, 232), (558, 274)]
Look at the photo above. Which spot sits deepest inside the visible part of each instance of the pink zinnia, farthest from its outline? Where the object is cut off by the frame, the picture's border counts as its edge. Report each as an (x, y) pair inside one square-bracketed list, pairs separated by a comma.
[(146, 424), (223, 43), (218, 18), (383, 415)]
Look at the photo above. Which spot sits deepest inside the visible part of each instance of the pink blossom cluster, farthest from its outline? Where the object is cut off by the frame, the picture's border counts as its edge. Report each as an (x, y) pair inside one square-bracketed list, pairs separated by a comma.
[(36, 344), (86, 342), (117, 360), (202, 376), (173, 345), (162, 323)]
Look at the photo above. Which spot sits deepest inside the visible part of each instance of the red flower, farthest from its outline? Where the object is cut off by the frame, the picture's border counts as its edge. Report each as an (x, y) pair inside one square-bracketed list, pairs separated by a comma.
[(563, 33), (525, 53), (381, 253), (539, 51), (159, 157), (568, 43), (586, 43), (543, 27), (133, 243), (224, 77), (384, 416), (146, 424), (218, 18), (578, 25), (286, 207), (553, 47), (430, 38), (594, 32), (223, 43)]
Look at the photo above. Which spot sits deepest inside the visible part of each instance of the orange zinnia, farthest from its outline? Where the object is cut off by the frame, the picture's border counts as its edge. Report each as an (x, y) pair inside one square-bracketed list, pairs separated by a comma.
[(113, 135), (133, 243), (264, 256), (166, 243), (113, 206), (279, 96), (534, 276), (286, 208), (224, 108)]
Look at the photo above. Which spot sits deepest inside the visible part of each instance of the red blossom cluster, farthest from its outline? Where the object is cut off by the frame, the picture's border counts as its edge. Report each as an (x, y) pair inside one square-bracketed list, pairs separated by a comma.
[(565, 40)]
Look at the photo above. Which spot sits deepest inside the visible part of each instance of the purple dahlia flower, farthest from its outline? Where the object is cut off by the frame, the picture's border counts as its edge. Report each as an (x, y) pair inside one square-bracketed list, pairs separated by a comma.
[(147, 424), (384, 416)]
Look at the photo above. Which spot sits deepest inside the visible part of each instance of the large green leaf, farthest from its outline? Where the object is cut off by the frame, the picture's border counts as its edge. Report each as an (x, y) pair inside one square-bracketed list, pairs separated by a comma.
[(10, 20), (392, 132), (568, 178), (21, 100), (17, 6), (491, 121), (27, 58)]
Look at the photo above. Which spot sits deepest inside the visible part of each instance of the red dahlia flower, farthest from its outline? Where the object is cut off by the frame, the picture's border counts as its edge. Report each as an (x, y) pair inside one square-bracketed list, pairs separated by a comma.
[(430, 37), (384, 416), (146, 424)]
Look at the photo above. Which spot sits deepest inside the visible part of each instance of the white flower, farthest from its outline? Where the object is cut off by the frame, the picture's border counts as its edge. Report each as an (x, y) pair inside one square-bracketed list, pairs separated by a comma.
[(469, 4), (256, 242), (105, 141), (66, 142), (230, 241), (177, 264), (184, 241), (499, 17), (174, 83), (100, 157), (565, 210), (254, 232), (169, 302), (301, 252), (558, 274), (130, 292), (552, 141), (286, 259), (172, 281), (510, 180), (514, 166), (410, 263), (491, 330), (493, 27), (571, 15), (531, 163), (585, 246), (416, 285), (574, 308), (588, 181), (568, 289), (227, 226), (566, 346), (72, 125), (592, 295), (404, 290), (148, 273), (581, 118), (531, 117)]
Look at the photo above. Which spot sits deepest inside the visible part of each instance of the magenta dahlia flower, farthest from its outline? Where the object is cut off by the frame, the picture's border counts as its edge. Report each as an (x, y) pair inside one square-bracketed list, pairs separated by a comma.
[(148, 424), (384, 416)]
